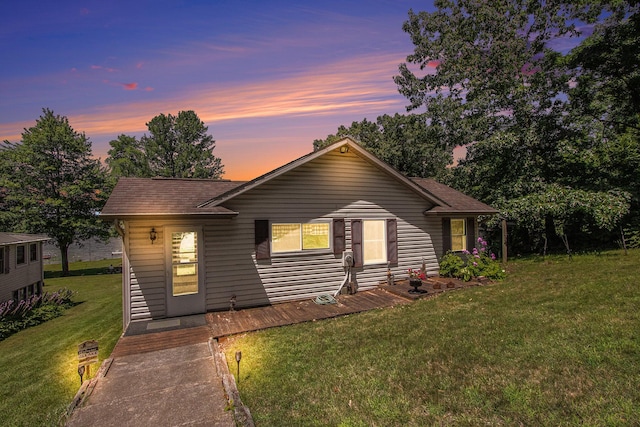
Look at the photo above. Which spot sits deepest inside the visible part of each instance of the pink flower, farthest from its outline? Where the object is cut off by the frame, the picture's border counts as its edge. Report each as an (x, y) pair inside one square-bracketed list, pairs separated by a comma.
[(493, 256), (475, 264)]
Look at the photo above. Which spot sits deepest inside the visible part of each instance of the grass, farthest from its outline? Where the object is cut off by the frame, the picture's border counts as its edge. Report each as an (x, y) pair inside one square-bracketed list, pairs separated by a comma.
[(556, 343), (38, 374)]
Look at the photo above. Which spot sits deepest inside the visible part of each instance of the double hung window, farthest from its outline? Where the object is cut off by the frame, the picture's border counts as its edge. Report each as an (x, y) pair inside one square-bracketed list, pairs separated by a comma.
[(296, 237)]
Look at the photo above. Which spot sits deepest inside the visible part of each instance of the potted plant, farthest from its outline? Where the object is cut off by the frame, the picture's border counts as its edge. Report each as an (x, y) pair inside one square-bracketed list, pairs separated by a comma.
[(415, 279)]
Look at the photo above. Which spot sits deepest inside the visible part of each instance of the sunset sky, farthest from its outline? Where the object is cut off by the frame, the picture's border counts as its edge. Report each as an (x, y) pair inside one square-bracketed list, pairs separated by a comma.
[(267, 77)]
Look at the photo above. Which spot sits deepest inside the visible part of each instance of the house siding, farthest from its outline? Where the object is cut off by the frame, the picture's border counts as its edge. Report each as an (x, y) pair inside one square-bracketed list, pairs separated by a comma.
[(20, 276), (332, 186)]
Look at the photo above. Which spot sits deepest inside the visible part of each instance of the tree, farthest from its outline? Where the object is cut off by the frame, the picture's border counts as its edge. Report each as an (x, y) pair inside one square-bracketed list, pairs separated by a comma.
[(406, 142), (179, 147), (127, 158), (53, 185), (487, 73)]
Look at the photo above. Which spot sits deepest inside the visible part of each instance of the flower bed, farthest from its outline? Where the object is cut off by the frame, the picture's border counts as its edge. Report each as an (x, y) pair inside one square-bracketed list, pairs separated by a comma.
[(18, 315)]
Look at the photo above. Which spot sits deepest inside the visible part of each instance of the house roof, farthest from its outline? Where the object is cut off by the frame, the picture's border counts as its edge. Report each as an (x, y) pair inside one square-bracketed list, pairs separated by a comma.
[(18, 238), (454, 201), (136, 197)]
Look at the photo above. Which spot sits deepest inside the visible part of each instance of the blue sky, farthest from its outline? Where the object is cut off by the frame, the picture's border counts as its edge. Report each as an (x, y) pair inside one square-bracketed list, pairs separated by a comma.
[(267, 77)]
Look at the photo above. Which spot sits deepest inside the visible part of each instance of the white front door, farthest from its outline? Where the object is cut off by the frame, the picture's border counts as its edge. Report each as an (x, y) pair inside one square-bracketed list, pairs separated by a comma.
[(185, 275)]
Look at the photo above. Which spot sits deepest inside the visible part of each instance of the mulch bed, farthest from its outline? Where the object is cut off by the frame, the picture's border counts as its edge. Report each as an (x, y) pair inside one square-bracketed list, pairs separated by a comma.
[(431, 287)]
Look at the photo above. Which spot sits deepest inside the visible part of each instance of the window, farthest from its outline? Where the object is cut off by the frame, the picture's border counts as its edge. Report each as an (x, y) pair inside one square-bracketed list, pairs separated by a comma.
[(458, 235), (33, 252), (374, 242), (20, 255), (2, 260), (295, 237), (184, 262)]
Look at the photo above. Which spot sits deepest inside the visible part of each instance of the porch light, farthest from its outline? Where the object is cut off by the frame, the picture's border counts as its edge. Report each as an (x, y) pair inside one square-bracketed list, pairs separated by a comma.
[(153, 235), (344, 149)]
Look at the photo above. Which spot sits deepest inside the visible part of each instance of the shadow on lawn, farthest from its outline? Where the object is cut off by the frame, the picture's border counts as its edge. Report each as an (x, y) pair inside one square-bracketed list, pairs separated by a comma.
[(94, 271)]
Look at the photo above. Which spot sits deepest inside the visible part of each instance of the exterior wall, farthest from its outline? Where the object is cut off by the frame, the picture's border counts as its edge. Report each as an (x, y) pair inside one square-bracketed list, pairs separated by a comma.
[(332, 186), (143, 270), (21, 276)]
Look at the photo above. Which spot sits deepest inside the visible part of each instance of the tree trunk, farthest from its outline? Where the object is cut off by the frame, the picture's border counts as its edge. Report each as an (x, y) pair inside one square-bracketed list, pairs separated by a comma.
[(64, 256)]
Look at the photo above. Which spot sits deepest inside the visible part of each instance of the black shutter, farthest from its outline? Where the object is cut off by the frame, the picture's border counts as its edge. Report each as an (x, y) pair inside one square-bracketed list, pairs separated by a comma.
[(7, 258), (471, 233), (446, 235), (392, 241), (262, 239), (356, 242), (338, 236)]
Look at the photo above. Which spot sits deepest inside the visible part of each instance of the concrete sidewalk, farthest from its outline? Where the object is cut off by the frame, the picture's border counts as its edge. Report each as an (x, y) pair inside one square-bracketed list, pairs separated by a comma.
[(172, 387)]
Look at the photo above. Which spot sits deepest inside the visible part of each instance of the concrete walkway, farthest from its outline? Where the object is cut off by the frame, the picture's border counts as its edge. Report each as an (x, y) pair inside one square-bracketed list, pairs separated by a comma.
[(171, 387)]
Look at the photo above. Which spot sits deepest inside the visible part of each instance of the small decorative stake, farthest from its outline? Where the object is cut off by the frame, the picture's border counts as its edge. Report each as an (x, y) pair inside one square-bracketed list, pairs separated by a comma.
[(81, 372), (238, 358)]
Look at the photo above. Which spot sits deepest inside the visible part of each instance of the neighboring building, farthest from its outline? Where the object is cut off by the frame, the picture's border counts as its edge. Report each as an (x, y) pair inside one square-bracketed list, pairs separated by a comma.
[(189, 246), (21, 272)]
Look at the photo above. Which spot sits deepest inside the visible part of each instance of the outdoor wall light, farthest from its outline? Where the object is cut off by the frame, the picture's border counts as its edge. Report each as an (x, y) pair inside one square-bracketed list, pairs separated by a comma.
[(344, 149), (153, 235)]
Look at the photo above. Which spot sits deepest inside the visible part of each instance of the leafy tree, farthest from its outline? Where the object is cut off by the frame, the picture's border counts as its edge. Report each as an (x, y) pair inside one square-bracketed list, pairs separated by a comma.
[(53, 185), (179, 147), (127, 158), (486, 72), (406, 142), (606, 69)]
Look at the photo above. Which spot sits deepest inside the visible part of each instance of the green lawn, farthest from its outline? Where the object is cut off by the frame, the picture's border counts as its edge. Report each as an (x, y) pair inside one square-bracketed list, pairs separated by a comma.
[(556, 343), (38, 366)]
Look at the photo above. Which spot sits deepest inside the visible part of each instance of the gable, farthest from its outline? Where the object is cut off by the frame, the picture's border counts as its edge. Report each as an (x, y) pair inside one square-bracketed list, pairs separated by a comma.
[(348, 170)]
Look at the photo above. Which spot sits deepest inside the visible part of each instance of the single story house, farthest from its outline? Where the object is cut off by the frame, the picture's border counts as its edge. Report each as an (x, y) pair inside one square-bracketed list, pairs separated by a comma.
[(192, 246), (21, 266)]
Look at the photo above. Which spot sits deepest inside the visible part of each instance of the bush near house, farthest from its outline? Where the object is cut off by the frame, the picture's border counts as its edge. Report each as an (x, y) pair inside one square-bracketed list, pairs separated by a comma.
[(480, 262)]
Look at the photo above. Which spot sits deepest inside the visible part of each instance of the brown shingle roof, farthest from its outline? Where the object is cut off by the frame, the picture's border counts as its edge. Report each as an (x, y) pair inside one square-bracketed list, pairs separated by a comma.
[(165, 196), (456, 202), (17, 238)]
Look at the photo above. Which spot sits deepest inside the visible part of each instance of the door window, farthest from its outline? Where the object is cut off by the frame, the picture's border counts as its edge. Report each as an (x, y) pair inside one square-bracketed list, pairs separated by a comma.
[(184, 260)]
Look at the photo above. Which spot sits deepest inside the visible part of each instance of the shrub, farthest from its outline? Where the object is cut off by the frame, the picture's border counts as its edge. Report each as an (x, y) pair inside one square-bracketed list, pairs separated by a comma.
[(451, 265), (479, 262), (34, 310)]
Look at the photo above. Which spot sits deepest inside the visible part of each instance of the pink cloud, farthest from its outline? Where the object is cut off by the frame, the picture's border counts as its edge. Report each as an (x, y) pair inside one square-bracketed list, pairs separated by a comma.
[(107, 69), (130, 86), (434, 63)]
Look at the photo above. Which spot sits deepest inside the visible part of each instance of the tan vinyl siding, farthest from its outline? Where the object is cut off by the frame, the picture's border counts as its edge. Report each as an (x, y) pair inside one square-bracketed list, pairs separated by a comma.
[(332, 186), (146, 269)]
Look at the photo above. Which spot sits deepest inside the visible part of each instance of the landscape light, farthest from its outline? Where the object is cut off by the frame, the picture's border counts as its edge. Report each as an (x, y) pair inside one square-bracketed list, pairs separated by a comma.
[(238, 357)]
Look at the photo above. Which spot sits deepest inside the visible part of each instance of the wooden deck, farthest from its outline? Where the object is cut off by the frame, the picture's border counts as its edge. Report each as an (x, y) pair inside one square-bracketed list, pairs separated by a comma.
[(160, 341), (221, 324), (253, 319)]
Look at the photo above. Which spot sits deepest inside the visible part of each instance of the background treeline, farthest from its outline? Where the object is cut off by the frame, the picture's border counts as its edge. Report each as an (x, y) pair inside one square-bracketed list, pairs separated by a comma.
[(552, 136)]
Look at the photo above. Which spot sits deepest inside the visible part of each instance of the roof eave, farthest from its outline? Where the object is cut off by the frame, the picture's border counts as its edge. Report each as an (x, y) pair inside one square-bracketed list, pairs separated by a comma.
[(453, 212), (168, 215)]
